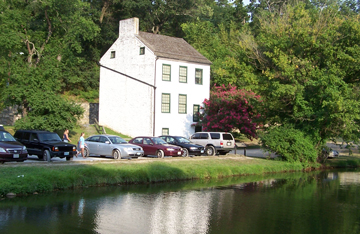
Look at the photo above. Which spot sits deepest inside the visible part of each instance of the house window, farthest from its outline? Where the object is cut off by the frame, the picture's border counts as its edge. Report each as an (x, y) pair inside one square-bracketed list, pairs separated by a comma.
[(165, 103), (198, 76), (165, 132), (198, 128), (112, 54), (166, 70), (182, 104), (142, 50), (183, 75), (196, 112)]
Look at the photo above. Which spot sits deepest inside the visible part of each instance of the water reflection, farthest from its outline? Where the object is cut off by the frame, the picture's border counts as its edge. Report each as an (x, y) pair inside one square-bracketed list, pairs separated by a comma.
[(170, 212), (317, 202)]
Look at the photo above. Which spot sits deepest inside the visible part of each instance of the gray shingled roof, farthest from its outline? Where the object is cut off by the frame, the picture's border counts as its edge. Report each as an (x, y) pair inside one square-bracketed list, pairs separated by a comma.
[(171, 47)]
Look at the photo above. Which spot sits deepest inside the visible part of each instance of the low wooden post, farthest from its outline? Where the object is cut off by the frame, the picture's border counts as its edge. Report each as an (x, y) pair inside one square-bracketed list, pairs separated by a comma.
[(240, 145)]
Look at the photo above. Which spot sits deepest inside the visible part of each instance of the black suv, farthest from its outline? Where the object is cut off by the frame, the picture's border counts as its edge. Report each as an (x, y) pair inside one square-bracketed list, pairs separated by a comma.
[(45, 144)]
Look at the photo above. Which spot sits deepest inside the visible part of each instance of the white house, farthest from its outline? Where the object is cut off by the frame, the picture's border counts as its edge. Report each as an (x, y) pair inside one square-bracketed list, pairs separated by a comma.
[(151, 84)]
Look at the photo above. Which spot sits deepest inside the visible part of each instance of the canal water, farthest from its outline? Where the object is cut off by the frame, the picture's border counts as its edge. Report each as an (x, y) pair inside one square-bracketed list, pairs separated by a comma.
[(315, 202)]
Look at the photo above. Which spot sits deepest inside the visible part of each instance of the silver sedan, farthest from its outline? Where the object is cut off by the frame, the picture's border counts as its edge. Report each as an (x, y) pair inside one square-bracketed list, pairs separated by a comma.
[(111, 145)]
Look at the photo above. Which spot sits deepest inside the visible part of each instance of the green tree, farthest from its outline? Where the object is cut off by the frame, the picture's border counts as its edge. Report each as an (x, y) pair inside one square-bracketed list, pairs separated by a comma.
[(230, 64), (159, 16), (42, 41), (307, 63)]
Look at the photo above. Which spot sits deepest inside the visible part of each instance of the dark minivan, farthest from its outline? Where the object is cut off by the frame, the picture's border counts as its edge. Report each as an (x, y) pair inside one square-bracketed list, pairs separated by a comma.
[(45, 144), (10, 149)]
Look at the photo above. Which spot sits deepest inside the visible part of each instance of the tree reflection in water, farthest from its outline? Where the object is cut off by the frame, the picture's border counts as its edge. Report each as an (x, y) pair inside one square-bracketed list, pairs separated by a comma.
[(316, 202)]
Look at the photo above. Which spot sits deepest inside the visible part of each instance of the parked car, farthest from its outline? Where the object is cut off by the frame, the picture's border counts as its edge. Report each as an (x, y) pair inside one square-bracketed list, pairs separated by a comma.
[(45, 144), (156, 146), (188, 147), (111, 145), (331, 153), (2, 127), (10, 149), (214, 142)]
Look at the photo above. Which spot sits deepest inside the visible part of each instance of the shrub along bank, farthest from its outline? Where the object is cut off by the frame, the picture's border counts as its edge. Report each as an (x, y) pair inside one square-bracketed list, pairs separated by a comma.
[(28, 179)]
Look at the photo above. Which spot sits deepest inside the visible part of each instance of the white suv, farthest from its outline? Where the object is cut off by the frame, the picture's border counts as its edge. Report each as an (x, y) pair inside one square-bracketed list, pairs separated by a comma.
[(214, 142)]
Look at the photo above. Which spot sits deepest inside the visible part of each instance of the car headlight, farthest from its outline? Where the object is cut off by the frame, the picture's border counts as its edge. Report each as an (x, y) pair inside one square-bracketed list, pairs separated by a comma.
[(2, 150), (170, 149), (193, 148), (24, 148)]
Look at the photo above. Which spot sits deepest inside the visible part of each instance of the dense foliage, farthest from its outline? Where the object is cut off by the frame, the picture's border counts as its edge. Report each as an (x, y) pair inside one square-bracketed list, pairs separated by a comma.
[(289, 144), (308, 71), (301, 57), (231, 109)]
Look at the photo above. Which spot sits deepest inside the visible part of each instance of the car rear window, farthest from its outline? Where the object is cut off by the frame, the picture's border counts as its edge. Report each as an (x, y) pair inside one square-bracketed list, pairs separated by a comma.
[(227, 136), (215, 136)]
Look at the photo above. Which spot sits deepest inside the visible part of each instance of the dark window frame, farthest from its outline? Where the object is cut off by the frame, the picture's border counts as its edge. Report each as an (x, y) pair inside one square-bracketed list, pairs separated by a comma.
[(165, 133), (112, 54), (196, 113), (165, 103), (199, 80), (180, 76), (182, 104), (164, 74)]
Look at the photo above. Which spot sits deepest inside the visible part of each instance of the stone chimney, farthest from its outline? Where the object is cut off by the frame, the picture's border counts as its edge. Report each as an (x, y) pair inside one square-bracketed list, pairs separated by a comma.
[(129, 27)]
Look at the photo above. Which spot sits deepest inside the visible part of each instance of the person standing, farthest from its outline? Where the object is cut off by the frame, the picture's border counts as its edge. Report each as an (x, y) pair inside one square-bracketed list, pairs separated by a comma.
[(66, 136), (81, 144)]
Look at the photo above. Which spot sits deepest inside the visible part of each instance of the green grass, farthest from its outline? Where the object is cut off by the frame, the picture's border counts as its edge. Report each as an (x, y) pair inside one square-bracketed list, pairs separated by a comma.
[(41, 178), (343, 162)]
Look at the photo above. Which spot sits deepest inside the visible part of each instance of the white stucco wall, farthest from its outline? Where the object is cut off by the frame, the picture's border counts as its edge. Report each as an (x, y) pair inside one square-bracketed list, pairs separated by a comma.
[(126, 105), (179, 124)]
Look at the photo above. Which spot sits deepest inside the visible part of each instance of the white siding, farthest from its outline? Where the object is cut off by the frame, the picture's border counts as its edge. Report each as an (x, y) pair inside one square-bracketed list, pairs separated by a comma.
[(179, 124), (126, 105)]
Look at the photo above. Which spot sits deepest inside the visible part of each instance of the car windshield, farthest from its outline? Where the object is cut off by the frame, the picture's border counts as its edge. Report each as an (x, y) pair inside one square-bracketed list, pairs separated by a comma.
[(5, 136), (183, 140), (158, 141), (49, 137), (117, 140)]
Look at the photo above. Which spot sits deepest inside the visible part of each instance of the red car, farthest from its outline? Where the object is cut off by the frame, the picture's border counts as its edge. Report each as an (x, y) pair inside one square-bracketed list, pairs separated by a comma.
[(156, 146)]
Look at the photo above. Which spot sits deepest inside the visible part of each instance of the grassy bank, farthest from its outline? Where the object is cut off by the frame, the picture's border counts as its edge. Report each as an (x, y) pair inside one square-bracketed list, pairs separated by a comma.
[(47, 177)]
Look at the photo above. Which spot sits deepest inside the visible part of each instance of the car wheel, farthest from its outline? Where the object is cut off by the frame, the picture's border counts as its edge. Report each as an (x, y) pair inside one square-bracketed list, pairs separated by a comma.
[(160, 154), (210, 150), (86, 152), (185, 152), (69, 158), (116, 154), (46, 156)]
